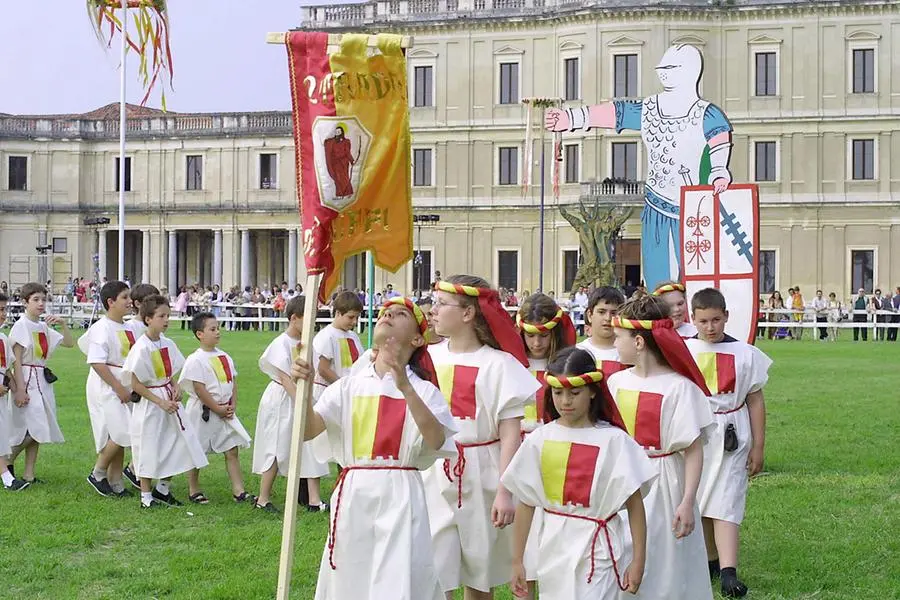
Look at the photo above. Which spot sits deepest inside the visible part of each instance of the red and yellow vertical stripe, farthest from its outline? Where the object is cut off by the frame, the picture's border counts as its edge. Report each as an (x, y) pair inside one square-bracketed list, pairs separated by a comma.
[(378, 426), (567, 471), (3, 364), (457, 383), (640, 413), (349, 352), (40, 344), (718, 371), (126, 340), (222, 368), (537, 411), (162, 364)]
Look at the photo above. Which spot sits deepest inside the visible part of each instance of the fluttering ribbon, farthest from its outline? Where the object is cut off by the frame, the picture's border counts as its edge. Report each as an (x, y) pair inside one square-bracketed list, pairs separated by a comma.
[(498, 320), (572, 381), (570, 335), (668, 287), (670, 344)]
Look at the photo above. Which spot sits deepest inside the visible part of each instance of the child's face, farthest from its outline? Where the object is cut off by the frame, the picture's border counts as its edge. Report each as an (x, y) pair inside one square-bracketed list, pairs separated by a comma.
[(159, 322), (210, 334), (677, 306), (346, 321), (538, 344), (626, 345), (710, 323), (122, 303), (2, 313), (572, 404), (449, 315), (399, 323), (600, 318), (35, 304)]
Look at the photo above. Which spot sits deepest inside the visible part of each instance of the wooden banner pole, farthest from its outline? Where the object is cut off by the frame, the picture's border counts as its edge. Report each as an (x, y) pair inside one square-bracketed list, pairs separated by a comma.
[(334, 39), (304, 396)]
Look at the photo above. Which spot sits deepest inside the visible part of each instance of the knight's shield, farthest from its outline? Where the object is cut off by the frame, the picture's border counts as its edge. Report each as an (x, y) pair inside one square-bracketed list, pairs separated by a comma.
[(720, 249)]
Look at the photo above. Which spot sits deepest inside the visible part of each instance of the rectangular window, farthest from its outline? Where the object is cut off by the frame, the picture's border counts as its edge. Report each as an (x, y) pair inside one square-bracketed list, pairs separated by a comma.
[(864, 71), (18, 173), (268, 171), (60, 245), (508, 269), (422, 270), (194, 169), (570, 269), (624, 161), (127, 174), (422, 78), (571, 159), (766, 74), (509, 83), (768, 266), (765, 161), (863, 274), (863, 159), (571, 69), (509, 166), (625, 73), (422, 167)]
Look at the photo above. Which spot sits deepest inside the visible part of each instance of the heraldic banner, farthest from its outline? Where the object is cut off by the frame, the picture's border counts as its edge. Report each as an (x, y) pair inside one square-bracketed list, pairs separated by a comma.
[(352, 146), (720, 249)]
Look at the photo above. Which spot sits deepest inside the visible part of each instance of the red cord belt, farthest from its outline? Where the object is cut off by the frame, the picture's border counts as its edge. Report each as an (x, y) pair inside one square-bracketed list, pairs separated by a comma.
[(170, 395), (28, 381), (599, 525), (339, 485), (460, 466), (728, 412)]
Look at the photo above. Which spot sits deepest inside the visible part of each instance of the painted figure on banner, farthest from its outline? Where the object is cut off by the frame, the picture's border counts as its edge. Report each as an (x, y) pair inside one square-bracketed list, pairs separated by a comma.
[(340, 155), (687, 141), (339, 161)]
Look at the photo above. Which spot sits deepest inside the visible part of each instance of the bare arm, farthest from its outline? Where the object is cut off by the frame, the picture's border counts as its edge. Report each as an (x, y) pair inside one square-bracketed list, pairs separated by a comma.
[(431, 429), (637, 522), (326, 370), (683, 523), (510, 438), (756, 405), (206, 398), (68, 341), (146, 394), (315, 424), (21, 393), (521, 529)]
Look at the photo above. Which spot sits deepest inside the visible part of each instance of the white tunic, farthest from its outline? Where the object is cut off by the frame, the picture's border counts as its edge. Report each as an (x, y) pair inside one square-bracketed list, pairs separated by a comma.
[(534, 412), (342, 348), (276, 414), (38, 417), (217, 372), (732, 370), (607, 358), (136, 324), (482, 388), (665, 414), (589, 472), (381, 544), (162, 444), (6, 361), (107, 343)]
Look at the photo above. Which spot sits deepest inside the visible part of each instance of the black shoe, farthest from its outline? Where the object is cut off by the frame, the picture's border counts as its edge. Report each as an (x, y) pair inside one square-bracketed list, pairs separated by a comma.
[(714, 569), (321, 507), (12, 470), (732, 587), (131, 477), (125, 493), (154, 504), (101, 486), (267, 507), (35, 480), (244, 497), (166, 498), (17, 485)]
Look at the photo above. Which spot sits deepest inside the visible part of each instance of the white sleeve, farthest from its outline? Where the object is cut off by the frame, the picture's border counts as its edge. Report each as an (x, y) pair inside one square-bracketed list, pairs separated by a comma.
[(322, 344)]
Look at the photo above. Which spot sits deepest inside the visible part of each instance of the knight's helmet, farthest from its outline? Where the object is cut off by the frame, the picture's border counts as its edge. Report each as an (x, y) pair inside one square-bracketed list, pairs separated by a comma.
[(683, 65)]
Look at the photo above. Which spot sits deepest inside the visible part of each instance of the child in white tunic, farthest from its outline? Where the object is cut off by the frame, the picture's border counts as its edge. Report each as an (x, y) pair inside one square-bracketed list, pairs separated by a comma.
[(6, 360), (163, 441), (209, 378), (487, 389), (272, 450), (661, 403), (33, 404), (673, 293), (603, 305), (735, 373), (545, 331), (385, 424), (581, 471), (106, 345)]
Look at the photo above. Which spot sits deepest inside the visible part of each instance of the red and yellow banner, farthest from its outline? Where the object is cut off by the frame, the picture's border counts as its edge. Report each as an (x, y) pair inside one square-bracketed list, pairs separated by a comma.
[(162, 365), (567, 470), (352, 146), (640, 413), (718, 371), (457, 383), (349, 352), (40, 344), (378, 426), (126, 341), (222, 368)]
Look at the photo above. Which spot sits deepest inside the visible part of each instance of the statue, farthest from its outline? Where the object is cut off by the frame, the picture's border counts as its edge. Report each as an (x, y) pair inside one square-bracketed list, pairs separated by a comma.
[(598, 227)]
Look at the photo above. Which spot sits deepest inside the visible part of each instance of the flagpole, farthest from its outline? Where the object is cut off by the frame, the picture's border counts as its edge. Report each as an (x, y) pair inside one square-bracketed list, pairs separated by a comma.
[(370, 279), (541, 258), (122, 122)]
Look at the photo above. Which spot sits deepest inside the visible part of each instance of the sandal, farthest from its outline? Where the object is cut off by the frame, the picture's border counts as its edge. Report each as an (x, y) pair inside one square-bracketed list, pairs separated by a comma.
[(244, 497), (198, 498)]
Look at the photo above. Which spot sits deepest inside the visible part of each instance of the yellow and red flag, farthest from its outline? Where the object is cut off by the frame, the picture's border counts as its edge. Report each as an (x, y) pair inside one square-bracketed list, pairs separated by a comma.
[(162, 364), (222, 368), (40, 344), (349, 352), (640, 413), (378, 426), (457, 383), (567, 470), (352, 146), (718, 371), (126, 341)]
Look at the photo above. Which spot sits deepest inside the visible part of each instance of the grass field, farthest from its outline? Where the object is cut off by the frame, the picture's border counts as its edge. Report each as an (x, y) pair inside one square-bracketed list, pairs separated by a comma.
[(822, 523)]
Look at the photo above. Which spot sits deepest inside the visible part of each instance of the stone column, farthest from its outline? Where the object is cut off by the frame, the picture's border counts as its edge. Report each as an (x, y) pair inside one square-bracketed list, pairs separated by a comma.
[(217, 257), (145, 257), (292, 258), (245, 258), (173, 263), (101, 254)]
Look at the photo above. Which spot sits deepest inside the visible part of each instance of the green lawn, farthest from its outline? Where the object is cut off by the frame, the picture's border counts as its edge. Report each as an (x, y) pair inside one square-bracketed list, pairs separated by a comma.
[(822, 524)]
